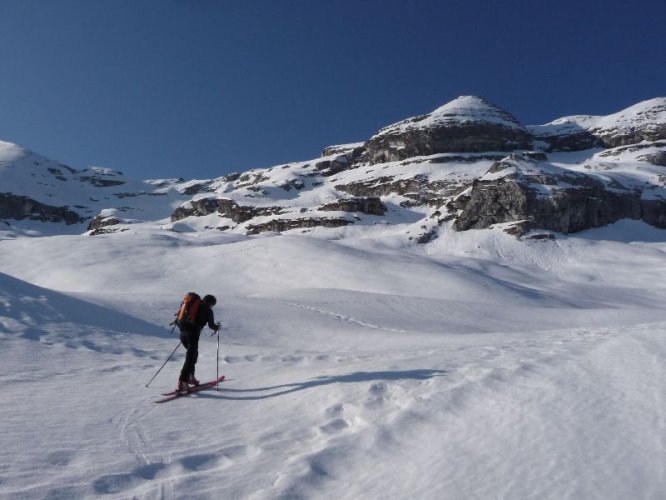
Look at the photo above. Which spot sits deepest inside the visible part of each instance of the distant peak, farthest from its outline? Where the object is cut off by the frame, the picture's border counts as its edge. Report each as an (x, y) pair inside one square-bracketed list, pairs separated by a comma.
[(463, 110), (466, 102), (470, 108), (648, 116), (650, 110), (9, 148)]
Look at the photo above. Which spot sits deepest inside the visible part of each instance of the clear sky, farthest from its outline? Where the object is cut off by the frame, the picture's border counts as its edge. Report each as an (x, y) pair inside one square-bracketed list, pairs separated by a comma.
[(199, 88)]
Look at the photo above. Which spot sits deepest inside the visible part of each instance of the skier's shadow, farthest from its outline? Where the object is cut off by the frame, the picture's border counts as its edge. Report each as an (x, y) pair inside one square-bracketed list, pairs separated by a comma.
[(281, 390)]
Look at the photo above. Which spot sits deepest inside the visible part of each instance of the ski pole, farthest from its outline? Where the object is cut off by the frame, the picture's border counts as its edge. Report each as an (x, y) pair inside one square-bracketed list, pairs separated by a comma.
[(158, 371), (217, 378)]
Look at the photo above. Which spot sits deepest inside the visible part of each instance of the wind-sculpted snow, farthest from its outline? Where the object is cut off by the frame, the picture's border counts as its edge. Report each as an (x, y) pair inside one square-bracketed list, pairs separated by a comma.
[(40, 314), (473, 367)]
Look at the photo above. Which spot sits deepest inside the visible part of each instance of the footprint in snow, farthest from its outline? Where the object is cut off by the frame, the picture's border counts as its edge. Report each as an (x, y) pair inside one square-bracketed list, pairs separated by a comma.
[(335, 410), (200, 462), (62, 492), (118, 483), (249, 358), (334, 426), (61, 458), (235, 452), (378, 393)]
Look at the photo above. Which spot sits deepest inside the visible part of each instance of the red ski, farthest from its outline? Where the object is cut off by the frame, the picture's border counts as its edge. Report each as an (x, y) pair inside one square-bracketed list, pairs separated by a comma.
[(169, 396)]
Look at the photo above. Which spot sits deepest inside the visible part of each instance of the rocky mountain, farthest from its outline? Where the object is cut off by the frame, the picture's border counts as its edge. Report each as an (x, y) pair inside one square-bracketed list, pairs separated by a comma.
[(35, 190), (645, 121), (466, 165), (467, 124)]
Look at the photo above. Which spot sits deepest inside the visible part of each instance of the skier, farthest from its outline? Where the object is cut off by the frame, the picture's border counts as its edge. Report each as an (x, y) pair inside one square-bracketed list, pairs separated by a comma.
[(189, 336)]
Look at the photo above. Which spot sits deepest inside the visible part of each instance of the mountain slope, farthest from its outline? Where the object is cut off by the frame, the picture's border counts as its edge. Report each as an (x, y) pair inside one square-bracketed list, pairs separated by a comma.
[(36, 190), (355, 368), (645, 121), (415, 177)]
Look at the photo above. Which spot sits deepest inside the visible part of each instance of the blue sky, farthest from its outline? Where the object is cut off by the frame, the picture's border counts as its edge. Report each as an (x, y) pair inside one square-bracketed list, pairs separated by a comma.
[(199, 88)]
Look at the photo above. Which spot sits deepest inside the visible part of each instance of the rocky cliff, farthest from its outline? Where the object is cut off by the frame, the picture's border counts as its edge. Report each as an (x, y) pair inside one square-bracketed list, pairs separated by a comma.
[(466, 165), (535, 194), (466, 125)]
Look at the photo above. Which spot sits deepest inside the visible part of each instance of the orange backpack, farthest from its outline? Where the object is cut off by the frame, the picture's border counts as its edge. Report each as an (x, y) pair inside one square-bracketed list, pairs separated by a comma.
[(188, 310)]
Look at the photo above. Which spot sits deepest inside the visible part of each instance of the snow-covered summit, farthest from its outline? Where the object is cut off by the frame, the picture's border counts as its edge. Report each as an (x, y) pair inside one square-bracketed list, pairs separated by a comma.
[(473, 109), (466, 124), (643, 121), (9, 151), (647, 116), (464, 110)]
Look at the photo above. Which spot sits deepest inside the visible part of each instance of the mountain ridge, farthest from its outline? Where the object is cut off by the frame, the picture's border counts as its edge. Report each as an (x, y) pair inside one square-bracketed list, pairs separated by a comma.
[(417, 175)]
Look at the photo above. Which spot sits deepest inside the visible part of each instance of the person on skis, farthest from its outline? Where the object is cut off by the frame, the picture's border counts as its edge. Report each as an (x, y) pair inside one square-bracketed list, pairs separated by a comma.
[(189, 336)]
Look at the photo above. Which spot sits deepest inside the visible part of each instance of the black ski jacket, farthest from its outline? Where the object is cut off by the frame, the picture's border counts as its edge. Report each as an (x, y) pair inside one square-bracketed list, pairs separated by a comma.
[(204, 317)]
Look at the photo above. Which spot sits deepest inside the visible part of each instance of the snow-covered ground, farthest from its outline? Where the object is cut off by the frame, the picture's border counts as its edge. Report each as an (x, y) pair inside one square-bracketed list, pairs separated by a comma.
[(477, 366)]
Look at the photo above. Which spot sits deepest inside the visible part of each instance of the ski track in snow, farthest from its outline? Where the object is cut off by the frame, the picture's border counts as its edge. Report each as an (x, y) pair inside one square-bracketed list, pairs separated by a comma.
[(371, 415), (340, 317), (375, 417), (338, 392), (365, 413)]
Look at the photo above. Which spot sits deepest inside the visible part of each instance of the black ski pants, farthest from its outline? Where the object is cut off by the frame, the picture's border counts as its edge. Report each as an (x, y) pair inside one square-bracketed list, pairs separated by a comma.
[(190, 339)]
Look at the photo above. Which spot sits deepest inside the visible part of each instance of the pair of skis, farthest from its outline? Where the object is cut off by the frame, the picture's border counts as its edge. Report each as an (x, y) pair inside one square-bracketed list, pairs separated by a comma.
[(170, 396)]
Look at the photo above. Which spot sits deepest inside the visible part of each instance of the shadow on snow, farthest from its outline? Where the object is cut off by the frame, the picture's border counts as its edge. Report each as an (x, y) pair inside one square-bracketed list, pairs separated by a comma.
[(283, 389)]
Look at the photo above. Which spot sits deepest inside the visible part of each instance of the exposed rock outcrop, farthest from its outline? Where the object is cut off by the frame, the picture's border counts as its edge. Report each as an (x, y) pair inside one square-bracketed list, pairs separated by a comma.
[(353, 151), (657, 158), (467, 124), (195, 208), (645, 121), (225, 207), (197, 187), (370, 206), (572, 139), (331, 167), (290, 184), (102, 220), (22, 207), (280, 225), (100, 177), (547, 197), (419, 189)]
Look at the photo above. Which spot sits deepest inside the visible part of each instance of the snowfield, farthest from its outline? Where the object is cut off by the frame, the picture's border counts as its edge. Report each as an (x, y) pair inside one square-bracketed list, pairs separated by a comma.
[(476, 366)]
